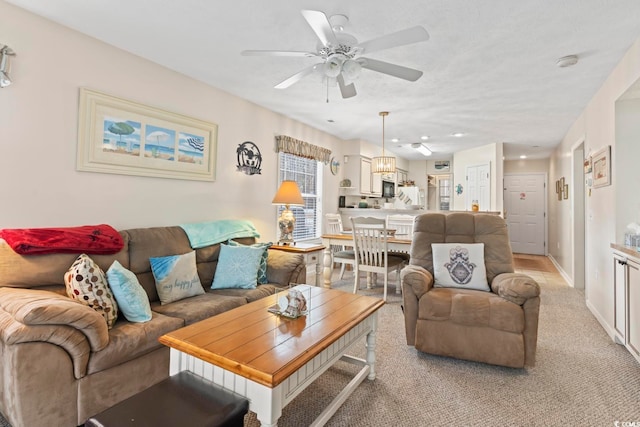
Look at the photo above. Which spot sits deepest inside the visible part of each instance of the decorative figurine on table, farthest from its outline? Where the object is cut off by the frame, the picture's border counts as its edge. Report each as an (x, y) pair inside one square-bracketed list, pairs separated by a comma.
[(291, 305)]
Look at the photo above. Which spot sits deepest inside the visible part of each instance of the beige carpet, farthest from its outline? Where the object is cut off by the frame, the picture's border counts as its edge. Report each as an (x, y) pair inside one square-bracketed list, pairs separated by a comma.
[(581, 377)]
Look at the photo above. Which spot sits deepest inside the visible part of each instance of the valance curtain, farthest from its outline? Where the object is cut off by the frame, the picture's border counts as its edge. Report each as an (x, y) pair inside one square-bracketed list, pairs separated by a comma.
[(286, 144)]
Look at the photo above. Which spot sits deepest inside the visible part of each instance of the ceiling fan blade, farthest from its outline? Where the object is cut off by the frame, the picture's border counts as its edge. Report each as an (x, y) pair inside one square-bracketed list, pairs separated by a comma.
[(390, 69), (277, 53), (400, 38), (320, 25), (347, 90), (296, 77)]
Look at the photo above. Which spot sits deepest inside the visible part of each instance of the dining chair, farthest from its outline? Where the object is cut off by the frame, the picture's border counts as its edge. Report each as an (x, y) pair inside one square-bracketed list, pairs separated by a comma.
[(403, 226), (339, 253), (371, 249)]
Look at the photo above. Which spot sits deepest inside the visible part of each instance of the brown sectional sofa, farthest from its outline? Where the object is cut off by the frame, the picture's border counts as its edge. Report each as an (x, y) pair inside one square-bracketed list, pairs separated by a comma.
[(60, 363)]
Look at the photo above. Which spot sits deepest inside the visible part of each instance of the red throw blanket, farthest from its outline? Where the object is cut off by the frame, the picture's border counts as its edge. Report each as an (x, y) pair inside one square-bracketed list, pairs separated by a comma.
[(89, 239)]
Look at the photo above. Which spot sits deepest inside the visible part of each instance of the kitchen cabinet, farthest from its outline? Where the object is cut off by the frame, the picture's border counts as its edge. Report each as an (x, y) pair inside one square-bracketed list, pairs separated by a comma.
[(376, 184), (626, 291), (402, 176), (358, 170), (365, 176)]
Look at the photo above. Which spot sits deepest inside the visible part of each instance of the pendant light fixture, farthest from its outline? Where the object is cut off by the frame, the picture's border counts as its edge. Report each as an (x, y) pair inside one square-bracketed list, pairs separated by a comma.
[(383, 164)]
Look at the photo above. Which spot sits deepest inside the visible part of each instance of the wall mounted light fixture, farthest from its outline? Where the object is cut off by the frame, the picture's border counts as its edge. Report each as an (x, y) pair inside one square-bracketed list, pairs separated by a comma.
[(5, 53)]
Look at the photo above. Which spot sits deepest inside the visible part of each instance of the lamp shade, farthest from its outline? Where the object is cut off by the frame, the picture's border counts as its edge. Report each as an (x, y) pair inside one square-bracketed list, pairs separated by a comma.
[(288, 194)]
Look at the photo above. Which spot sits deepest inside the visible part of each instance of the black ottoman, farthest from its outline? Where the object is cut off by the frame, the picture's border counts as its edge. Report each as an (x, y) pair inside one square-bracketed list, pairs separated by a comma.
[(184, 399)]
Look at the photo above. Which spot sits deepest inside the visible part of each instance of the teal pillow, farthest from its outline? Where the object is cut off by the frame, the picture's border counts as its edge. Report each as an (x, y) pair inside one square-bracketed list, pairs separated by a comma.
[(130, 295), (176, 277), (262, 270), (237, 267)]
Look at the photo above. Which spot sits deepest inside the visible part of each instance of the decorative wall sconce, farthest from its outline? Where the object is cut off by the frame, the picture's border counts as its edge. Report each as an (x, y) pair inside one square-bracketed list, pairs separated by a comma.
[(5, 65)]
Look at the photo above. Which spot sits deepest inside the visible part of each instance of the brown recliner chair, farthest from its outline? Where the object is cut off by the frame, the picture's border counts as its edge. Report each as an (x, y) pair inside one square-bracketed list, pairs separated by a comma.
[(499, 327)]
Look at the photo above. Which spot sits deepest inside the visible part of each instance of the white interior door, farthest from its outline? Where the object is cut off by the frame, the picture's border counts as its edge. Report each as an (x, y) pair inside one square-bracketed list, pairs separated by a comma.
[(479, 186), (524, 201)]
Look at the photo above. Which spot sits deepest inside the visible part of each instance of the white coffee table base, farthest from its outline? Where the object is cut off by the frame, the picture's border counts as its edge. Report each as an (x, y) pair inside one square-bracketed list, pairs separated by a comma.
[(268, 402)]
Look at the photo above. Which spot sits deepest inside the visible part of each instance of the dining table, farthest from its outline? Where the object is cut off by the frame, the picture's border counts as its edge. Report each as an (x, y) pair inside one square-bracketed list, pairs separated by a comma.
[(396, 243)]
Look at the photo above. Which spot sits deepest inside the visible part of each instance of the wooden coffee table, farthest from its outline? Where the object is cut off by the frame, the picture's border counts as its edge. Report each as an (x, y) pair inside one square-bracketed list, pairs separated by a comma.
[(270, 359)]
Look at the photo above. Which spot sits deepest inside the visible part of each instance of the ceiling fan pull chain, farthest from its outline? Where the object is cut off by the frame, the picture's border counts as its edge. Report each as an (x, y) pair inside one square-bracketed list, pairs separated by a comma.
[(326, 79)]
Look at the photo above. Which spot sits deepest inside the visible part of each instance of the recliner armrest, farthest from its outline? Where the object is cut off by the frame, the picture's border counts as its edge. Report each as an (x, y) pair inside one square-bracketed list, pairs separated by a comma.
[(515, 287), (419, 279), (416, 281)]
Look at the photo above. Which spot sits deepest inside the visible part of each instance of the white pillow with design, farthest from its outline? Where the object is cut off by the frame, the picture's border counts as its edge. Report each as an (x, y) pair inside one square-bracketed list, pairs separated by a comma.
[(459, 265), (176, 277)]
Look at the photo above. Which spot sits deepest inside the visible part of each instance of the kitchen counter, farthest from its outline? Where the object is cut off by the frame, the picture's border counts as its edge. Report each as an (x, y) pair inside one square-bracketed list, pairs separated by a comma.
[(367, 211), (346, 213)]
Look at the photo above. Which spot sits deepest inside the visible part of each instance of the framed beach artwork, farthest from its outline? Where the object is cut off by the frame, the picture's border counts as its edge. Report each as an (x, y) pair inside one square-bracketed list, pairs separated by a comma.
[(601, 164), (123, 137)]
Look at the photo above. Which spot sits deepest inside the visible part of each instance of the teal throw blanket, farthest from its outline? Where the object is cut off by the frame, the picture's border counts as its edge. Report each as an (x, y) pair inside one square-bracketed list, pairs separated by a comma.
[(203, 234)]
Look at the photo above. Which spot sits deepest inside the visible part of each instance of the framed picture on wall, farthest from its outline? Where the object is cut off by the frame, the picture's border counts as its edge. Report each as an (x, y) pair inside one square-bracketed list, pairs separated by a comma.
[(119, 136), (601, 163)]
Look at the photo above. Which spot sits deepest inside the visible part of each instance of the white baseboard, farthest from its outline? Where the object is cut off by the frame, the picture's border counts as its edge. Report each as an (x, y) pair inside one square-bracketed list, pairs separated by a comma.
[(563, 273), (608, 329)]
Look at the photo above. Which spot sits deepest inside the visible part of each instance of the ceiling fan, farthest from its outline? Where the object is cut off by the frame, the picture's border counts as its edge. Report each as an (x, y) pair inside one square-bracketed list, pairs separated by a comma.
[(341, 53)]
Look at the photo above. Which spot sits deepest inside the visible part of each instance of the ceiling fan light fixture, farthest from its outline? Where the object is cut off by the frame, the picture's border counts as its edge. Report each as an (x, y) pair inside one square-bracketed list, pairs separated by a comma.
[(421, 149), (383, 164), (351, 69), (333, 66)]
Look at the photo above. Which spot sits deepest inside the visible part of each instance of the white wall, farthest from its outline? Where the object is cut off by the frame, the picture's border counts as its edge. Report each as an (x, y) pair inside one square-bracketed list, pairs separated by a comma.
[(627, 172), (596, 125), (527, 166), (38, 138)]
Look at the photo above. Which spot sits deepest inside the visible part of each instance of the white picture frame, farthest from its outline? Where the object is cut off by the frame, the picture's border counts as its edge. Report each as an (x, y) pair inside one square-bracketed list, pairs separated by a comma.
[(601, 164), (119, 136)]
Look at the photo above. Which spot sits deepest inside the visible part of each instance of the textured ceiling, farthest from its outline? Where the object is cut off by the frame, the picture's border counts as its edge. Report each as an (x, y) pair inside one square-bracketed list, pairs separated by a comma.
[(489, 67)]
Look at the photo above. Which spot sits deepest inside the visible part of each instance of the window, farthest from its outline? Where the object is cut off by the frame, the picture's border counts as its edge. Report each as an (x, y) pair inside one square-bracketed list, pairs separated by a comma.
[(308, 174)]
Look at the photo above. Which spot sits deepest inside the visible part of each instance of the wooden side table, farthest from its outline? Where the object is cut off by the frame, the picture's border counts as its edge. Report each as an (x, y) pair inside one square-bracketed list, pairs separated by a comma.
[(312, 253)]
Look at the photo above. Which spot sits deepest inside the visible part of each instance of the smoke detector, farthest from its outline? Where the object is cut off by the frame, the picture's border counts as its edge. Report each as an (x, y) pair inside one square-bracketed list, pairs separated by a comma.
[(567, 61)]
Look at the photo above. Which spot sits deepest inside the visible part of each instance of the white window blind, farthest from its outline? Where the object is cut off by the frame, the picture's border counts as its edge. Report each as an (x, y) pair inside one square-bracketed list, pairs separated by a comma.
[(308, 175)]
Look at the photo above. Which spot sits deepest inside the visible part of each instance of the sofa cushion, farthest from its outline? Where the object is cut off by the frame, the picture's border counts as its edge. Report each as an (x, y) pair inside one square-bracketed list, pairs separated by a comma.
[(131, 297), (459, 265), (471, 308), (261, 291), (283, 267), (237, 267), (200, 307), (262, 269), (128, 340), (176, 277), (85, 282)]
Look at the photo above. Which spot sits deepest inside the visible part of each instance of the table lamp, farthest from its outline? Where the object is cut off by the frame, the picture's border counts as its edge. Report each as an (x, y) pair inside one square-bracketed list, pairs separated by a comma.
[(288, 194)]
